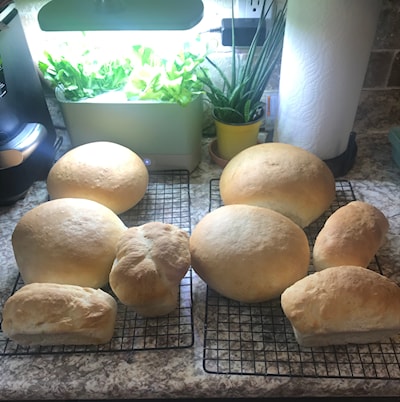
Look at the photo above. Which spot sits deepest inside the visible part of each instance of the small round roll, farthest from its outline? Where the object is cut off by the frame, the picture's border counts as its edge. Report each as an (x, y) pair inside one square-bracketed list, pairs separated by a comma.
[(282, 177), (351, 236), (150, 263), (102, 171), (249, 253)]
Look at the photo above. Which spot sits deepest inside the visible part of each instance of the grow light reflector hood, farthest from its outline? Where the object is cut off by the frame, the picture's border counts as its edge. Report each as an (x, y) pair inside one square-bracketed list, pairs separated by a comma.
[(104, 15)]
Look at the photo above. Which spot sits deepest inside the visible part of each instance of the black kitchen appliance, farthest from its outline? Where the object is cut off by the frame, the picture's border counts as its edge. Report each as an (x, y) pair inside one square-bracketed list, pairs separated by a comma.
[(27, 134)]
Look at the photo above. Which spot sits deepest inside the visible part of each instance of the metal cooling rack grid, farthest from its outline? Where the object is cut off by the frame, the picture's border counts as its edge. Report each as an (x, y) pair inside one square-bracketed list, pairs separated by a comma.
[(257, 339), (167, 200)]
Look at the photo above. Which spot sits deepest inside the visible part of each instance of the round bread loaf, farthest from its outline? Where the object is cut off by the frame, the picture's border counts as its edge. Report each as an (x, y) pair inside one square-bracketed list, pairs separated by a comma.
[(67, 241), (102, 171), (150, 263), (249, 253), (282, 177)]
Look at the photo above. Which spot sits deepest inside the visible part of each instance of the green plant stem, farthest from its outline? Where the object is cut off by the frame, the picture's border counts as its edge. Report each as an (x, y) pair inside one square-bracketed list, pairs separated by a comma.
[(240, 98)]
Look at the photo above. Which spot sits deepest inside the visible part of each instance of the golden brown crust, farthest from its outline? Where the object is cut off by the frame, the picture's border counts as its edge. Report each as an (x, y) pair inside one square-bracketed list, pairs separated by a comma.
[(285, 178), (151, 261), (68, 240), (102, 171), (249, 253), (351, 236), (345, 304), (54, 314)]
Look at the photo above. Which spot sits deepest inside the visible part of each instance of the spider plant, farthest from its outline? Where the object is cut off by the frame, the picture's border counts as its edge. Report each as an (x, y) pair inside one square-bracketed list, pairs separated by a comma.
[(239, 100)]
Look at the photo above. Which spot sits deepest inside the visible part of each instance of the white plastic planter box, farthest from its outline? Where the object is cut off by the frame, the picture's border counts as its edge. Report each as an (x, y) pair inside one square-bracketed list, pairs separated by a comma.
[(166, 135)]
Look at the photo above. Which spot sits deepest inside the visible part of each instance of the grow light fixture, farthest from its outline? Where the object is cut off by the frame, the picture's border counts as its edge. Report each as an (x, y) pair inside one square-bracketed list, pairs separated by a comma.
[(111, 15)]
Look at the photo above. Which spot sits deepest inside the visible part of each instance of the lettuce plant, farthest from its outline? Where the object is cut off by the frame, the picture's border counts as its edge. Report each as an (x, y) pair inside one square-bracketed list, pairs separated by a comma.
[(141, 75)]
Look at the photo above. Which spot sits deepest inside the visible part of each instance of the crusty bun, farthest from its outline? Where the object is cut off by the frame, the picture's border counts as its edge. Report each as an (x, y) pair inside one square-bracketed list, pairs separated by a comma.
[(54, 314), (102, 171), (151, 261), (340, 305), (69, 240), (282, 177), (249, 253), (351, 236)]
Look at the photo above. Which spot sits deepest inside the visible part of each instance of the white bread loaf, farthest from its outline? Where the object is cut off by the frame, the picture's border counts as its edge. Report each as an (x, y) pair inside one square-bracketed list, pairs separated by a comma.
[(341, 305), (150, 263), (249, 253), (102, 171), (282, 177), (54, 314), (351, 236), (68, 240)]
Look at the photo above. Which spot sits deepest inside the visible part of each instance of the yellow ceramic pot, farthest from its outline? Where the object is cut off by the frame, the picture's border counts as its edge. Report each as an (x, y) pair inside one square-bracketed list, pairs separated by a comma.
[(233, 138)]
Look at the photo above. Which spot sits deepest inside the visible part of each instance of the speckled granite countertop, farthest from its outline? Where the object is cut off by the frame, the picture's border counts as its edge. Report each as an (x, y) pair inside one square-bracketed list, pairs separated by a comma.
[(179, 373)]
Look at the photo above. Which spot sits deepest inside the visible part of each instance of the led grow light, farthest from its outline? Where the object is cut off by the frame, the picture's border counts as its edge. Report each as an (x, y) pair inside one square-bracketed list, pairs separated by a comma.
[(95, 15)]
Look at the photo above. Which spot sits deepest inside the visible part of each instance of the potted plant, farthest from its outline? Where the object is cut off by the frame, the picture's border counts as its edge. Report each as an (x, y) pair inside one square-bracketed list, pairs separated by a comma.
[(141, 100), (237, 105)]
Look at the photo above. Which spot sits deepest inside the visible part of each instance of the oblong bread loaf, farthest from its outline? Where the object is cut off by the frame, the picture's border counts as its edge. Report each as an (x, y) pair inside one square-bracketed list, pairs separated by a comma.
[(249, 253), (151, 260), (55, 314), (340, 305), (282, 177), (102, 171), (69, 241), (351, 236)]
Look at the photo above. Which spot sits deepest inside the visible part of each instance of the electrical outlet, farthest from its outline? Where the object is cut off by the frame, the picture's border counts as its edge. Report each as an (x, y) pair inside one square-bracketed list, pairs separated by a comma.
[(250, 8), (253, 8)]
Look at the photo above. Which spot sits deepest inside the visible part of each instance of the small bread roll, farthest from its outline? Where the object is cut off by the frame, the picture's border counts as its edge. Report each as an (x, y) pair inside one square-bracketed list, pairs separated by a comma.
[(151, 261), (54, 314), (102, 171), (351, 236), (282, 177), (249, 253), (340, 305), (68, 241)]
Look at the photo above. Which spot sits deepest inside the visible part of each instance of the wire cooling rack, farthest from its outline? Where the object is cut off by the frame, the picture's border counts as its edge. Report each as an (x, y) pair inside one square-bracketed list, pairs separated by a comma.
[(166, 200), (257, 339)]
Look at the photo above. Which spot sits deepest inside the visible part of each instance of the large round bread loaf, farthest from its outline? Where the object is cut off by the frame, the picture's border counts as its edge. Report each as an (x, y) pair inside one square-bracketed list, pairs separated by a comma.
[(67, 241), (102, 171), (150, 263), (340, 305), (351, 236), (283, 177), (55, 314), (249, 253)]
